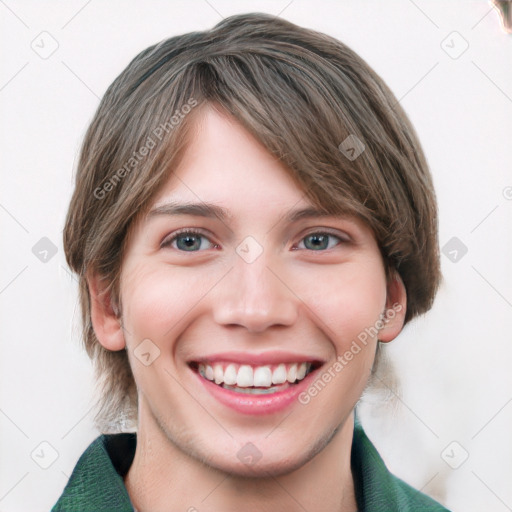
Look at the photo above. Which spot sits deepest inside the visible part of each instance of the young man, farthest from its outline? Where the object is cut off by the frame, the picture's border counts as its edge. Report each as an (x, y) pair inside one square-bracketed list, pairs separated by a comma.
[(253, 214)]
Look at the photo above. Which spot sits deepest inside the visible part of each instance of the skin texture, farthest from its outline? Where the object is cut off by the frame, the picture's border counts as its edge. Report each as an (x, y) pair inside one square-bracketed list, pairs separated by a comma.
[(196, 303)]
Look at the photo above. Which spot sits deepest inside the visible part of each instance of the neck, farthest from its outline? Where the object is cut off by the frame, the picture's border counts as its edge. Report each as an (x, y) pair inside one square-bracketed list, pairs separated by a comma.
[(163, 477)]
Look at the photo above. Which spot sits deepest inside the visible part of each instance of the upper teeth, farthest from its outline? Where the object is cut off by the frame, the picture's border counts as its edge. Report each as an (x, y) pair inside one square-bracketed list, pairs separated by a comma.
[(245, 376)]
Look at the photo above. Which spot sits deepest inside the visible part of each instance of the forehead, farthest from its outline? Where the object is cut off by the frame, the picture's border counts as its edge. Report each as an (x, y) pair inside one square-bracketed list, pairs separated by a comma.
[(227, 174), (225, 164)]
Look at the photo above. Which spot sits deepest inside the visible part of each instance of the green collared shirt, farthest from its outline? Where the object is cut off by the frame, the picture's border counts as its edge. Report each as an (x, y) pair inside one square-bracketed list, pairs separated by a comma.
[(97, 485)]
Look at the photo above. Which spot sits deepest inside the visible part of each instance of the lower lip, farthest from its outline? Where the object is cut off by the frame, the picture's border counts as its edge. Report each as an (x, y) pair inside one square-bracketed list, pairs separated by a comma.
[(257, 404)]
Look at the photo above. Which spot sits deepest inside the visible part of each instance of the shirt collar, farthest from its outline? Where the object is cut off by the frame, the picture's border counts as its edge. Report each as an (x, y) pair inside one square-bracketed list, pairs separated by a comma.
[(97, 480)]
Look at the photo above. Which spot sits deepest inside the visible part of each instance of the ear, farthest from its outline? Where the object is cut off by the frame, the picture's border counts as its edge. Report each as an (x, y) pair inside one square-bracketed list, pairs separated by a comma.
[(396, 307), (104, 315)]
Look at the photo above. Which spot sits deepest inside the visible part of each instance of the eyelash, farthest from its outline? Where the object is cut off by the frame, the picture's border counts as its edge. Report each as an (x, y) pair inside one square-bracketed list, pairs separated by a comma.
[(328, 233), (192, 231), (188, 231)]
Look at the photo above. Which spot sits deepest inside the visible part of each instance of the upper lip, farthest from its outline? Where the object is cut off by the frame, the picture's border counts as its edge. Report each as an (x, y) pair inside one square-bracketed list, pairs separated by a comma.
[(257, 358)]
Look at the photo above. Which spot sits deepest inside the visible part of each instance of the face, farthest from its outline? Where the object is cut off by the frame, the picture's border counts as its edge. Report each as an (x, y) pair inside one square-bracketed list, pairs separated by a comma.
[(235, 313)]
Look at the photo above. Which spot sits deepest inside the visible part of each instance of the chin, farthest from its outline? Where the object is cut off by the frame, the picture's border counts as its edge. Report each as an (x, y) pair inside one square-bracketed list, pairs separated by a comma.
[(261, 469), (252, 463)]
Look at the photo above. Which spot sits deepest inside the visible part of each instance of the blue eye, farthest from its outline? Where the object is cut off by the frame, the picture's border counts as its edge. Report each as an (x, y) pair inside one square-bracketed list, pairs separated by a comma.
[(191, 240), (320, 241), (188, 240)]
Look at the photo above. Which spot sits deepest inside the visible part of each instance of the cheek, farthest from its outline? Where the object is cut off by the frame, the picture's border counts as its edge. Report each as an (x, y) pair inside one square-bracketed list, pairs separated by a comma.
[(156, 301), (348, 301)]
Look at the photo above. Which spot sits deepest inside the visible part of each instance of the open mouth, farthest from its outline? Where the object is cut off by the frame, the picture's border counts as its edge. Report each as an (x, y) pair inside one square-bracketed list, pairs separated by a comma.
[(254, 379)]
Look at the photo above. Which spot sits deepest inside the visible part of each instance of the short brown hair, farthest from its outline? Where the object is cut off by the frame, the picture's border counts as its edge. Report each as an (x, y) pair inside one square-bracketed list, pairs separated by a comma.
[(306, 97)]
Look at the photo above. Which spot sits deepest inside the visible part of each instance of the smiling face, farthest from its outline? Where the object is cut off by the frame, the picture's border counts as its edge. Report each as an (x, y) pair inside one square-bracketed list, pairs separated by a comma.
[(243, 305)]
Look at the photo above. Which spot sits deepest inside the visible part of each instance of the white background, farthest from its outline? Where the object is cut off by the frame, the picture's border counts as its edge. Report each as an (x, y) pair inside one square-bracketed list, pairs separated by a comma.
[(453, 364)]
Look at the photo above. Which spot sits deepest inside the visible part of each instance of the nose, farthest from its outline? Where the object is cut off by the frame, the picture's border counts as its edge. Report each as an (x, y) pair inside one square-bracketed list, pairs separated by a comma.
[(256, 296)]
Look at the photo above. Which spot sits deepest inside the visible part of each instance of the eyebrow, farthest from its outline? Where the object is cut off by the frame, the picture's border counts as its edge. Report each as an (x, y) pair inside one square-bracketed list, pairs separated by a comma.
[(197, 209), (210, 210)]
